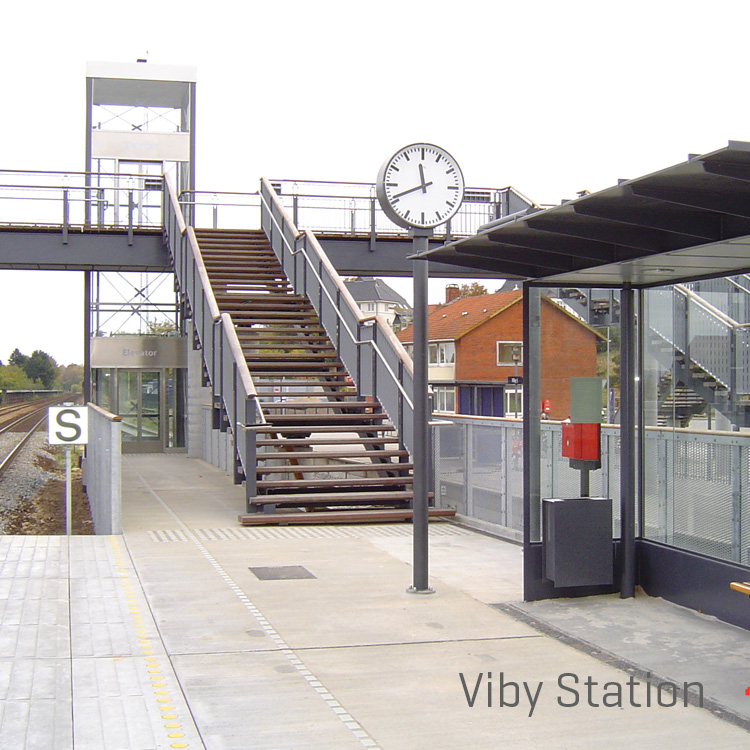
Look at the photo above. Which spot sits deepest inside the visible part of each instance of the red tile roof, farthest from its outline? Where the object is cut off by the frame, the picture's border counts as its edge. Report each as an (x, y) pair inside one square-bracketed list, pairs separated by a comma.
[(450, 322)]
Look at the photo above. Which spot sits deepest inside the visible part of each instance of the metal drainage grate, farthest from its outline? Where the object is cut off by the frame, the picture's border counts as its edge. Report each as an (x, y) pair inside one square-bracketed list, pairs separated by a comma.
[(282, 573)]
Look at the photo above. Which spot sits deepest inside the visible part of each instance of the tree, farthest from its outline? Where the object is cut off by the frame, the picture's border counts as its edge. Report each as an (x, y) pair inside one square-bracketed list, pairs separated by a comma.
[(70, 377), (17, 359), (13, 378), (475, 289), (162, 327), (40, 366)]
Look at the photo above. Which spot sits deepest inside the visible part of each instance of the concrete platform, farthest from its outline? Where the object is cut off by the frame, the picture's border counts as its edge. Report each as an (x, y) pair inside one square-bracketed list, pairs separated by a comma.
[(190, 631)]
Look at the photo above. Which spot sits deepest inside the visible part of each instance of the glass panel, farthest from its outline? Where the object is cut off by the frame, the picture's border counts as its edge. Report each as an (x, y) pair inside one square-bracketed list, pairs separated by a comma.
[(150, 411), (127, 403), (103, 388)]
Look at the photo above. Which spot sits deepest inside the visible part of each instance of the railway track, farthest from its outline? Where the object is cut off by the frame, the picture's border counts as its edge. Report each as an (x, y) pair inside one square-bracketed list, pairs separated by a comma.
[(21, 420)]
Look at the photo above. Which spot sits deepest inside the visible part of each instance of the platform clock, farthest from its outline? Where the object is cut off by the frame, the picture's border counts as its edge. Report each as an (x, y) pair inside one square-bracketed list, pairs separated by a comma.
[(420, 186)]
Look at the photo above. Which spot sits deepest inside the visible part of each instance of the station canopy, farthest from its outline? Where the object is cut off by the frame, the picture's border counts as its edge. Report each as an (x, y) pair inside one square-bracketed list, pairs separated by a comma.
[(682, 223)]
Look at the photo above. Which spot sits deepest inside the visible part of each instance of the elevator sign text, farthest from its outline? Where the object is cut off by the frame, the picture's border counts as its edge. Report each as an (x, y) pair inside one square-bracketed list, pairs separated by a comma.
[(68, 425)]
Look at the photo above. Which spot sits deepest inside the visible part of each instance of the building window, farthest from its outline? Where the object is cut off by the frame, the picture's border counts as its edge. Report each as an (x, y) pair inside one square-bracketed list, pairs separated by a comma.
[(509, 352), (443, 353), (513, 401), (369, 306), (444, 398)]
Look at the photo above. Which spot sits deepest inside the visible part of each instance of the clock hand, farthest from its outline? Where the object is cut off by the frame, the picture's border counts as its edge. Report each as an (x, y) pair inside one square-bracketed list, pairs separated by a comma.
[(422, 187), (421, 177)]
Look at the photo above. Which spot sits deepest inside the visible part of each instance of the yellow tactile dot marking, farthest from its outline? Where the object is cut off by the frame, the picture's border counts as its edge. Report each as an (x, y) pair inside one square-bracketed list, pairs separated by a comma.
[(151, 662)]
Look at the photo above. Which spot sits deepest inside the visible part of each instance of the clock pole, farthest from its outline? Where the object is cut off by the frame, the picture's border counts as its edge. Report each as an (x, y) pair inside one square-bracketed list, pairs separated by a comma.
[(420, 187), (420, 502)]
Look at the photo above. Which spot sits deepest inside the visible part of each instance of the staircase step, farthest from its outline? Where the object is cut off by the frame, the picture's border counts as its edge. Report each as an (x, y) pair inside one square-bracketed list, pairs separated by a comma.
[(399, 497), (316, 455), (379, 515), (347, 467), (306, 429), (307, 442)]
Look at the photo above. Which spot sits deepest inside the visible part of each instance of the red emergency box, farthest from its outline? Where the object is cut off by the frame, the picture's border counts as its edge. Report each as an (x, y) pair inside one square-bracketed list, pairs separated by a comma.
[(581, 441)]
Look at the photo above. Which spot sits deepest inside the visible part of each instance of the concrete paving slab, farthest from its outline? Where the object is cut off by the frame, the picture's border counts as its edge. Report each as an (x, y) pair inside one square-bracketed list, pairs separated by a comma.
[(172, 642), (659, 637), (428, 706)]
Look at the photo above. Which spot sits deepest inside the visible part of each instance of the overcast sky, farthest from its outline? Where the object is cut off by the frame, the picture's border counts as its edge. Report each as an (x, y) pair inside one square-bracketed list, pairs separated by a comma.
[(549, 97)]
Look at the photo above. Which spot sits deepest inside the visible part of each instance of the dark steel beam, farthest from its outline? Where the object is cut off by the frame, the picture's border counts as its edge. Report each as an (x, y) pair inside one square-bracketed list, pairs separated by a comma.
[(701, 226), (354, 256), (549, 242), (84, 251), (733, 205), (620, 235), (531, 258), (732, 170)]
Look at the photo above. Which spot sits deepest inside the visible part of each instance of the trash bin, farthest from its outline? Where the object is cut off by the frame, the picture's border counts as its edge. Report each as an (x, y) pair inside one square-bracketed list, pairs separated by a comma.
[(577, 541)]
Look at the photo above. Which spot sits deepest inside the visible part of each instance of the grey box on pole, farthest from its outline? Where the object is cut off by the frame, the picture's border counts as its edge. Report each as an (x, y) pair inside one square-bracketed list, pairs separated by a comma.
[(586, 400), (577, 541)]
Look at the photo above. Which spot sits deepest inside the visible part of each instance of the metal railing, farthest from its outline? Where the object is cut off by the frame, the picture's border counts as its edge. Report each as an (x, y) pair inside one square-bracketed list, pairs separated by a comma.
[(344, 208), (696, 483), (370, 351), (73, 200), (235, 400)]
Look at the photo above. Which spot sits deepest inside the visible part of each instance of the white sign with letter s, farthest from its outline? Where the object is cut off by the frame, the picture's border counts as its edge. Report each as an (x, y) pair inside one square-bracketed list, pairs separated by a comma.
[(68, 425)]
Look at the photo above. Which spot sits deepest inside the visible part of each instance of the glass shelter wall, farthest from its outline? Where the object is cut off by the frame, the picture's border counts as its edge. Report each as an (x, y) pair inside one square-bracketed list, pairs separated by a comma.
[(696, 451)]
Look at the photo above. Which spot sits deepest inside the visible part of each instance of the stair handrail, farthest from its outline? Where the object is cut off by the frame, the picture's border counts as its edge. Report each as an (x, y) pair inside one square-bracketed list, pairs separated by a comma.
[(232, 385), (348, 318)]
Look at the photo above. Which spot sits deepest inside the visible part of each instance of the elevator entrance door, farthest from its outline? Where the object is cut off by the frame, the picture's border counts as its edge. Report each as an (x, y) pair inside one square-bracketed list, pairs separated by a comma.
[(140, 398)]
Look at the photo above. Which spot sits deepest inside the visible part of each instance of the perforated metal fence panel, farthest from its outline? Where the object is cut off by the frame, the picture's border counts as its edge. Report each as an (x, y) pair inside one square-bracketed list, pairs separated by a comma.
[(696, 485)]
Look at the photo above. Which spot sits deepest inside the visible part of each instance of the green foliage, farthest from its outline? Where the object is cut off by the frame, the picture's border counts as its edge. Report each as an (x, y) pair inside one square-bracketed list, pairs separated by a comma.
[(70, 378), (40, 366), (162, 327), (475, 289), (17, 359), (13, 378)]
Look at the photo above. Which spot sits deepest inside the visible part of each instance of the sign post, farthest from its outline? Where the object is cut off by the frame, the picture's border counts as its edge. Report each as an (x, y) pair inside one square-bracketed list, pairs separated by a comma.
[(68, 426)]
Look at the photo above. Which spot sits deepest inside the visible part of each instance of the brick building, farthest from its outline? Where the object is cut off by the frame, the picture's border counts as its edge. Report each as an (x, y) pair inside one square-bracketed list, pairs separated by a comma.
[(475, 351)]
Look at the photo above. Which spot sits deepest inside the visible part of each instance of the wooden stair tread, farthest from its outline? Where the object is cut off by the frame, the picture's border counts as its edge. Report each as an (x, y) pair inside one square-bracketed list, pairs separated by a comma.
[(355, 466), (304, 455), (379, 515), (294, 429), (293, 442)]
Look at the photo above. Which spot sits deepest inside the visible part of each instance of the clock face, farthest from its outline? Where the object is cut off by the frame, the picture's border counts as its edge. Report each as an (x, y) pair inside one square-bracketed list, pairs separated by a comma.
[(420, 186)]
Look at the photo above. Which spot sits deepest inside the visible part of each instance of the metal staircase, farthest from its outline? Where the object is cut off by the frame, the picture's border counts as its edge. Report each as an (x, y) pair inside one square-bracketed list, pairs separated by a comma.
[(708, 351), (315, 395), (321, 446)]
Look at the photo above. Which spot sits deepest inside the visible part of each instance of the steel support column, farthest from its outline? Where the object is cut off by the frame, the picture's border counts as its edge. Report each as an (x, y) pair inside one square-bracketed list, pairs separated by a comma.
[(86, 337), (628, 463), (532, 390)]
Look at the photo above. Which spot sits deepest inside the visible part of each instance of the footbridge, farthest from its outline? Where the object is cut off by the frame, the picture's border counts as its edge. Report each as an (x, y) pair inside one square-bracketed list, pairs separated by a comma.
[(257, 276)]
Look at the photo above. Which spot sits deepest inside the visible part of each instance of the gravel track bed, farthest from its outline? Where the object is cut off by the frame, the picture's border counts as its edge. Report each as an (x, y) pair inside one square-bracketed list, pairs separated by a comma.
[(25, 478)]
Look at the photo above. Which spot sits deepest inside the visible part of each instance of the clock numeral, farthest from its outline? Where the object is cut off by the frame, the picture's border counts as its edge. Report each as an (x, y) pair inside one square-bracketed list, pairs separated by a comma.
[(406, 156), (422, 217), (438, 214), (406, 215), (394, 167), (439, 157), (452, 187), (395, 184), (422, 154), (394, 201), (450, 171), (449, 204)]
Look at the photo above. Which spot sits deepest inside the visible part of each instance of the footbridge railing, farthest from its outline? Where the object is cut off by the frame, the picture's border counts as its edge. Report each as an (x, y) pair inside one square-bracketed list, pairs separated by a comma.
[(370, 351), (346, 209), (235, 400)]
